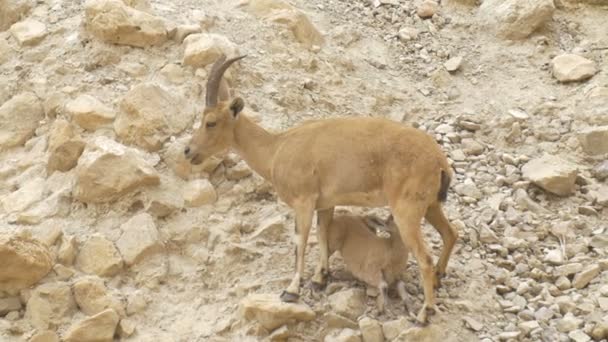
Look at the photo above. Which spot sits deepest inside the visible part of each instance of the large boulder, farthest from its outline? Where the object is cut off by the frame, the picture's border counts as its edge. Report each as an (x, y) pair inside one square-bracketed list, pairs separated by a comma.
[(11, 11), (50, 305), (571, 68), (270, 312), (348, 303), (108, 170), (89, 113), (516, 19), (93, 297), (19, 118), (65, 147), (149, 115), (281, 12), (23, 262), (112, 21), (204, 48), (551, 173), (29, 32), (98, 328), (594, 141), (99, 256), (139, 239), (29, 194)]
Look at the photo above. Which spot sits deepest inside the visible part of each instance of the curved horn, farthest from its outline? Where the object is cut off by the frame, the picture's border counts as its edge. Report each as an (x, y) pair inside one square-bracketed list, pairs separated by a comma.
[(215, 76)]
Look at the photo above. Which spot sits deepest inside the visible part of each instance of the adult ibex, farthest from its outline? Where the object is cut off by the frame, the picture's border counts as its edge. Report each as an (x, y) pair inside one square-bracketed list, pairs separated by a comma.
[(369, 162)]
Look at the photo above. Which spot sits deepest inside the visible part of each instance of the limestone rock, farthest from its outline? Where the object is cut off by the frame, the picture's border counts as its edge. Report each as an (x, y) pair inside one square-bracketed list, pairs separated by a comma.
[(600, 171), (114, 22), (50, 305), (281, 12), (29, 32), (149, 114), (92, 296), (583, 278), (344, 335), (65, 147), (45, 336), (67, 250), (31, 193), (552, 174), (199, 192), (371, 330), (570, 68), (9, 304), (515, 19), (165, 199), (11, 11), (600, 331), (126, 328), (98, 328), (594, 141), (183, 31), (89, 113), (427, 9), (19, 118), (23, 262), (139, 238), (392, 329), (99, 256), (204, 48), (142, 5), (108, 170), (348, 303), (239, 171), (270, 312), (453, 64)]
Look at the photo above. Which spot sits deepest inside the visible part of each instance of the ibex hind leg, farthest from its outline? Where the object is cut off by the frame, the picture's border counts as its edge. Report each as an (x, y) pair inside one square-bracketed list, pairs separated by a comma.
[(324, 219)]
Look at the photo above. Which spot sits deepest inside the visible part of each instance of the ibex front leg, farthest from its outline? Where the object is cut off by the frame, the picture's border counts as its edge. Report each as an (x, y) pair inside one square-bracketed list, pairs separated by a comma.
[(304, 212)]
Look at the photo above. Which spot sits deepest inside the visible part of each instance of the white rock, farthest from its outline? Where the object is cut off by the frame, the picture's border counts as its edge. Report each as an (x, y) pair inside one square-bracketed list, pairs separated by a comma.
[(594, 141), (583, 278), (24, 262), (392, 329), (114, 22), (371, 330), (67, 250), (29, 32), (89, 113), (427, 9), (11, 11), (408, 33), (571, 67), (568, 323), (182, 31), (552, 174), (139, 239), (50, 305), (165, 199), (515, 19), (19, 118), (92, 296), (579, 336), (204, 48), (199, 192), (99, 256), (270, 312), (32, 192), (98, 328), (348, 303), (108, 170), (150, 114), (453, 63), (344, 335)]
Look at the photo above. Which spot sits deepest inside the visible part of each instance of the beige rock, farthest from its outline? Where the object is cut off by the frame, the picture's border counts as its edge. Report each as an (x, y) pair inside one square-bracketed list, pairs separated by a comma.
[(453, 64), (371, 330), (344, 335), (142, 5), (199, 192), (92, 296), (427, 9), (392, 329), (31, 193), (570, 68), (182, 31), (11, 11), (204, 48), (126, 328), (594, 141), (45, 336), (281, 12), (150, 114), (65, 147), (99, 256), (270, 312), (600, 331), (164, 200), (108, 170), (515, 19), (23, 262), (173, 73), (139, 239), (98, 328), (89, 113), (63, 273), (9, 304), (29, 32), (348, 303), (114, 22), (552, 174), (19, 118), (54, 104), (57, 204), (136, 302), (239, 171), (583, 278), (50, 305)]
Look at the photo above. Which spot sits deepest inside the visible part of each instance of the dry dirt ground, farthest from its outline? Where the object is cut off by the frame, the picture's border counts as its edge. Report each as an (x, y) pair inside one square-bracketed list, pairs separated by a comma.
[(500, 109)]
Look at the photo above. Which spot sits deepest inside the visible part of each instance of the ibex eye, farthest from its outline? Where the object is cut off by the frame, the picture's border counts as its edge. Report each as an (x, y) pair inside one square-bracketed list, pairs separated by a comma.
[(210, 124)]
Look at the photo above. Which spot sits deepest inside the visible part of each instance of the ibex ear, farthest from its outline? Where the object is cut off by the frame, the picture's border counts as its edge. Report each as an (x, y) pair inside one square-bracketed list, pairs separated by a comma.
[(236, 106)]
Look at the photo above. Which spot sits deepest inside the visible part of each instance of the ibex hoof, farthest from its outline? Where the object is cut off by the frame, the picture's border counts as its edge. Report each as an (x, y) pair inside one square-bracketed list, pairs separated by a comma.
[(289, 297), (317, 286), (423, 316)]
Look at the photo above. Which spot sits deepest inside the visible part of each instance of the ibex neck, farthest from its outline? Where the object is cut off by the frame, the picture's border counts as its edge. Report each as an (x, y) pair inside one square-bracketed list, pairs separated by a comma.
[(255, 145)]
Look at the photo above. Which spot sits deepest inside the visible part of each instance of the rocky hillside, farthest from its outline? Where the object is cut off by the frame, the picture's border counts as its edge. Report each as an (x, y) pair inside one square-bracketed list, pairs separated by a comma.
[(107, 233)]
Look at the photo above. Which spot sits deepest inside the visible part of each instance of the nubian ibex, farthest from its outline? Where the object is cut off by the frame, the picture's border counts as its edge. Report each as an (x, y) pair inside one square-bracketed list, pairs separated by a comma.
[(320, 164), (378, 260)]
